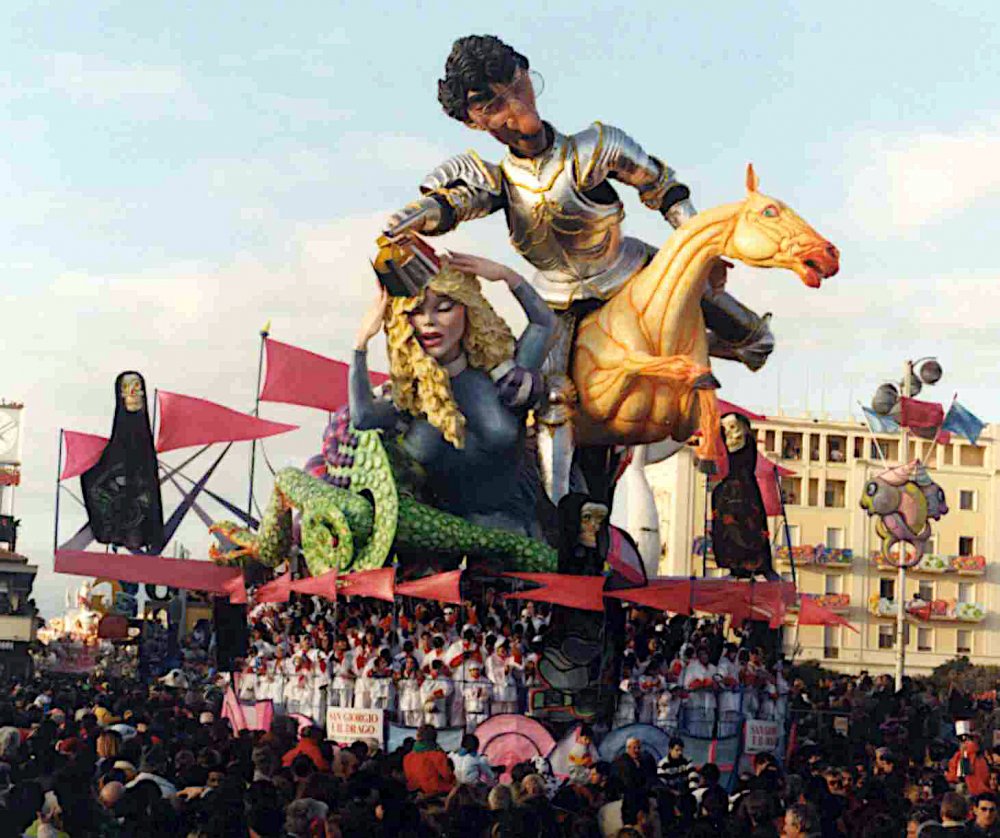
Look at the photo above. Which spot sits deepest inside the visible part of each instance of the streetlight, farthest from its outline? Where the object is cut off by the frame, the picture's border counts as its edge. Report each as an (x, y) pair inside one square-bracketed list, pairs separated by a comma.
[(925, 370)]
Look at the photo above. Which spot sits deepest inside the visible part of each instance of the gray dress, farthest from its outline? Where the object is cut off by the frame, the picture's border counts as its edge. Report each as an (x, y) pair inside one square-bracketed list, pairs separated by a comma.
[(490, 481)]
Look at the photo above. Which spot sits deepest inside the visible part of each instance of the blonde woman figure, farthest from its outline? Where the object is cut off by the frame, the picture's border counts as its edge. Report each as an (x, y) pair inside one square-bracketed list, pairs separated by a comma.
[(461, 389)]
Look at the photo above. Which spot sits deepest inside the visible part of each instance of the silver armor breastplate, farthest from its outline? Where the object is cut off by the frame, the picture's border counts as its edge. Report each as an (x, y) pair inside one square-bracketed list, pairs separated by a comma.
[(575, 243)]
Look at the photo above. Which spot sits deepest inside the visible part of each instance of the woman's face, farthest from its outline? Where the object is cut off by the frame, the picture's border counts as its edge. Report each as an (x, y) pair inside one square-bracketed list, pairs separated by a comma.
[(439, 323)]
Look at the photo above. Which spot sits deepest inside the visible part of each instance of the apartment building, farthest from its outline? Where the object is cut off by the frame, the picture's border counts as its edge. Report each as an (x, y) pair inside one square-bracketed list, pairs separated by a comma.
[(952, 596)]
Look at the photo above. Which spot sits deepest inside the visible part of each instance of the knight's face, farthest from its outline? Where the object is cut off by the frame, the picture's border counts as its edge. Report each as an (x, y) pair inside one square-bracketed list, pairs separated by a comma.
[(769, 234), (509, 114), (132, 393)]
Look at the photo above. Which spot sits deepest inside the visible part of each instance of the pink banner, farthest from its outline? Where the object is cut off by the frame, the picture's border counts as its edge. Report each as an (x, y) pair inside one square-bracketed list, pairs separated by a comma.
[(154, 570), (441, 587), (81, 452), (673, 595), (277, 590), (377, 584), (583, 592), (324, 586), (187, 421), (298, 376)]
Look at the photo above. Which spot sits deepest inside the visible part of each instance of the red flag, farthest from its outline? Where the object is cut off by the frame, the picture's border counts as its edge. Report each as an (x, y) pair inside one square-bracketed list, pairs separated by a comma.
[(583, 592), (277, 590), (324, 586), (298, 376), (82, 452), (186, 421), (377, 584), (766, 473), (811, 613), (917, 414), (442, 587), (672, 595)]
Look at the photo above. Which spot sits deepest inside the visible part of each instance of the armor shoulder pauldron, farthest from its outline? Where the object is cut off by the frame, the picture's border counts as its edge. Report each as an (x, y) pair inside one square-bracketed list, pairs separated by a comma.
[(468, 170)]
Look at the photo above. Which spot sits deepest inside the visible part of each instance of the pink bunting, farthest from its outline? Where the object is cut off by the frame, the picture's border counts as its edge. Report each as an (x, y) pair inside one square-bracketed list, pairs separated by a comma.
[(277, 590), (583, 592), (82, 451), (811, 613), (441, 587), (187, 421), (298, 376), (324, 586), (672, 595), (154, 570), (377, 584)]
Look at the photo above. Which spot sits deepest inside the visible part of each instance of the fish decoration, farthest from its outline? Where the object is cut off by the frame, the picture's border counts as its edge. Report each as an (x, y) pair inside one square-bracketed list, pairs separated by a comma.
[(905, 500)]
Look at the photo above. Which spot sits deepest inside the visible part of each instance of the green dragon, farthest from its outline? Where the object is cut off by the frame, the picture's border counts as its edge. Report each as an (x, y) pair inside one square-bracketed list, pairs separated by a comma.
[(358, 515)]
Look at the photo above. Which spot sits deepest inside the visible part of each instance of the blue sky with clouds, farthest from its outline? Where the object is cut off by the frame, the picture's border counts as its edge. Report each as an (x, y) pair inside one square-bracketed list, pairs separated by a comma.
[(176, 174)]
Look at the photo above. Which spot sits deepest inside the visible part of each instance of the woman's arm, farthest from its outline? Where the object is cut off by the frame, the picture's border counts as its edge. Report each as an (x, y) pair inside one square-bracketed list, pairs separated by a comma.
[(533, 345), (366, 413), (535, 340)]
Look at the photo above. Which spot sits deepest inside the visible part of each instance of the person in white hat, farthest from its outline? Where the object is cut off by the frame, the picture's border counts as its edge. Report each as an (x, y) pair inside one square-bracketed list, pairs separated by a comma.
[(435, 693), (476, 696), (501, 669)]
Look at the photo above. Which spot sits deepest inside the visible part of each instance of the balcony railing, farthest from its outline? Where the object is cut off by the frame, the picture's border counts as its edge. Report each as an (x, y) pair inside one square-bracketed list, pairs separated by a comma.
[(962, 565), (938, 609), (838, 603), (834, 558)]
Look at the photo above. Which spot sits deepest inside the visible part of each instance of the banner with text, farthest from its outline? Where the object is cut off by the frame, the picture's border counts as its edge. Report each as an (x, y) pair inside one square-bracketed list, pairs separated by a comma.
[(760, 736), (345, 725)]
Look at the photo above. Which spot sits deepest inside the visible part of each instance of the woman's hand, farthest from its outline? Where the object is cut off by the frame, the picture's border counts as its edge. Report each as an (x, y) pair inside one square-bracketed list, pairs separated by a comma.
[(372, 322), (485, 268)]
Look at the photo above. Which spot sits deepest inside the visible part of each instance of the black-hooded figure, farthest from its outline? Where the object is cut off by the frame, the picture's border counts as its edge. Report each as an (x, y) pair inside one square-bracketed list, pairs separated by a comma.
[(122, 490), (740, 537)]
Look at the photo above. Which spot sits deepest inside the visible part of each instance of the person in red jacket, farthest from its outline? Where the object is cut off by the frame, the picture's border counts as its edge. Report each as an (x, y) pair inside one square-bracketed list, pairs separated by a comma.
[(426, 767), (309, 742), (969, 766)]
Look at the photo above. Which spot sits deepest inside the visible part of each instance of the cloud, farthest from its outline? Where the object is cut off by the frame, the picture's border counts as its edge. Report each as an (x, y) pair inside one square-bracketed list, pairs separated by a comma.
[(98, 81), (906, 181)]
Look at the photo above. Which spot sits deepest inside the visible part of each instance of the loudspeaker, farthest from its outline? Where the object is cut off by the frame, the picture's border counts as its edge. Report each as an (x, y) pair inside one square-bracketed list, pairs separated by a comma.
[(231, 636)]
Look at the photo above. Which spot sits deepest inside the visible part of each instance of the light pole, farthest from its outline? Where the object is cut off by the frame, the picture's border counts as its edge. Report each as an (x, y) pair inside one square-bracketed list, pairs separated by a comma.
[(928, 372)]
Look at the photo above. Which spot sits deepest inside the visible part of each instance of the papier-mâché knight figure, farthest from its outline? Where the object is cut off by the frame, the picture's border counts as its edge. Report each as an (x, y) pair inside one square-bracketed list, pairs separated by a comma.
[(564, 216)]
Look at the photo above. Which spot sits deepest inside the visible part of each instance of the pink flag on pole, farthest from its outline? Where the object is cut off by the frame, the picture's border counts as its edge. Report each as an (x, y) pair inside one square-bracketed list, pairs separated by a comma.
[(324, 586), (187, 421), (379, 583), (298, 376), (584, 592), (82, 452), (277, 590), (811, 613)]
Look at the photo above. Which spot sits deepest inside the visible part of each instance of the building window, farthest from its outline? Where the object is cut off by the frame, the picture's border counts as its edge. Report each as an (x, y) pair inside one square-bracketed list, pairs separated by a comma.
[(966, 592), (925, 590), (793, 534), (925, 640), (791, 446), (859, 447), (963, 642), (832, 583), (835, 494), (970, 455), (966, 545), (887, 588), (814, 443), (836, 449), (814, 491), (831, 641), (887, 637), (769, 442), (791, 488), (835, 537), (967, 500), (932, 545), (948, 458)]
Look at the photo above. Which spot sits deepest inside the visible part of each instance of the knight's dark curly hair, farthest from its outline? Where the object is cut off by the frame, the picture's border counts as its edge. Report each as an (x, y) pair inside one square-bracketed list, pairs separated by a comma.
[(475, 62)]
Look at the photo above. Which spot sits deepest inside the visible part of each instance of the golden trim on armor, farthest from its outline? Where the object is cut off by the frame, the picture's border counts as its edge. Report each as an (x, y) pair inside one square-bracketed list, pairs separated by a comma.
[(594, 156), (536, 190), (484, 169)]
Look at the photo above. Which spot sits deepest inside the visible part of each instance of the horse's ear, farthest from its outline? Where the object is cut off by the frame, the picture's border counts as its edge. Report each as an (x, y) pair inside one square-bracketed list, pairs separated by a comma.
[(752, 181)]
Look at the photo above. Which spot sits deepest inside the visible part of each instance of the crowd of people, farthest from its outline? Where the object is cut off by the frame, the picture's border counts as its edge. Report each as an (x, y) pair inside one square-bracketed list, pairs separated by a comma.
[(453, 666), (82, 756)]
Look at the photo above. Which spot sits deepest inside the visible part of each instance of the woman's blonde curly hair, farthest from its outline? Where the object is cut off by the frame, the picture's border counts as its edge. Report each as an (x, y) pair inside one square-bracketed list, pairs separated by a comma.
[(420, 385)]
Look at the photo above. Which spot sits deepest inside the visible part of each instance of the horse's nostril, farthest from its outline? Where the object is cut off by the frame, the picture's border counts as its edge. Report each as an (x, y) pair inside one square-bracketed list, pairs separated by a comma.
[(832, 252)]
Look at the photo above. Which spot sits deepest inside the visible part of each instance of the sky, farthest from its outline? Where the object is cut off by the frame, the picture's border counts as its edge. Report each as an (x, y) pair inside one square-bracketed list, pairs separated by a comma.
[(176, 174)]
